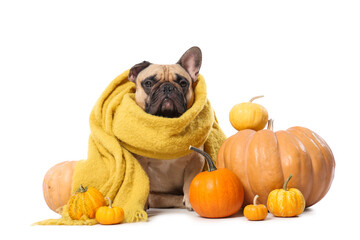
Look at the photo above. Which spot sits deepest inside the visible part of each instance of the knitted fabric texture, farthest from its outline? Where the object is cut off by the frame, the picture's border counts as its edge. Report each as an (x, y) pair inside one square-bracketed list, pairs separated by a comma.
[(119, 127)]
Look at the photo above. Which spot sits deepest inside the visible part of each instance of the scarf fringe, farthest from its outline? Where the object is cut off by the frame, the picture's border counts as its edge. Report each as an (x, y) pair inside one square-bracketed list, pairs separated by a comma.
[(134, 216), (66, 220), (138, 216)]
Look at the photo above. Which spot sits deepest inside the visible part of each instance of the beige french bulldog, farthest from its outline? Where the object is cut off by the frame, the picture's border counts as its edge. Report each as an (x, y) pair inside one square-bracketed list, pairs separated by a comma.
[(168, 91)]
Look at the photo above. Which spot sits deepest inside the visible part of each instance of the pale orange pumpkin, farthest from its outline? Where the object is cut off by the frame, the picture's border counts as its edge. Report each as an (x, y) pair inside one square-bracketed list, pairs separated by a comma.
[(264, 159), (57, 185)]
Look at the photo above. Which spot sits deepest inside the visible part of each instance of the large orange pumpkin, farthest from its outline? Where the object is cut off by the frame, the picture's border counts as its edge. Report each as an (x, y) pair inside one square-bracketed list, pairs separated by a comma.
[(57, 184), (264, 159)]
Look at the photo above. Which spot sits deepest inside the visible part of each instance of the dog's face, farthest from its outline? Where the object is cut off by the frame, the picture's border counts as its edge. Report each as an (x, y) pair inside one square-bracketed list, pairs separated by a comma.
[(167, 90), (164, 90)]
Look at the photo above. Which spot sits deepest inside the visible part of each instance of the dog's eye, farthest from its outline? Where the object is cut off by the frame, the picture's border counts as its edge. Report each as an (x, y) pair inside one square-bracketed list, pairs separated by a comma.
[(183, 83), (148, 83)]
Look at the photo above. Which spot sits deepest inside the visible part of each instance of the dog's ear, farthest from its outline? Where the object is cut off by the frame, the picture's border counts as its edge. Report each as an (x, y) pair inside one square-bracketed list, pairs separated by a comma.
[(191, 62), (136, 69)]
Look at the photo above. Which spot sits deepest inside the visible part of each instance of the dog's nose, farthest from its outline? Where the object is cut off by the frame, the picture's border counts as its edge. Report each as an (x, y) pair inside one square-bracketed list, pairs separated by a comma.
[(167, 88)]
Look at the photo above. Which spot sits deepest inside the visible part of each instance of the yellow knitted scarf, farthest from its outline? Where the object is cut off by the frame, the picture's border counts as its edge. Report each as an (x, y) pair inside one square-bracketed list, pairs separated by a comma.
[(119, 127)]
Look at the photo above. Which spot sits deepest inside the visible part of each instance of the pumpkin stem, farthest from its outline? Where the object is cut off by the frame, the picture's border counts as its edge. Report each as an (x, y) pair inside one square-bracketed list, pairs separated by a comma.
[(256, 98), (286, 182), (207, 157), (270, 125), (255, 198), (109, 200), (82, 189)]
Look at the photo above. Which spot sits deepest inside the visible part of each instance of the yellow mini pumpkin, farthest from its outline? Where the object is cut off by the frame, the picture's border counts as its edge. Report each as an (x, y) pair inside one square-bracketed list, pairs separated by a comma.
[(255, 212), (248, 115), (84, 203), (286, 202), (109, 215)]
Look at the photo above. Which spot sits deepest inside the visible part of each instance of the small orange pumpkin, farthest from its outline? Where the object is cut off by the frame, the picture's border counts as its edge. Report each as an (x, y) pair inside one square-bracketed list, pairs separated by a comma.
[(215, 193), (286, 202), (85, 202), (109, 215), (255, 212)]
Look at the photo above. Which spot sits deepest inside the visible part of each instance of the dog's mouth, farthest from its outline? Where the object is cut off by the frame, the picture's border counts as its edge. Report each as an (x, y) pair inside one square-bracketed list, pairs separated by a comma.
[(168, 109), (169, 105)]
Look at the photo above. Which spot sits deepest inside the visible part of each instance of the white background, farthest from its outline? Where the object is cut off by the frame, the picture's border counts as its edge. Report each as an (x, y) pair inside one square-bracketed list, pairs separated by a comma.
[(56, 58)]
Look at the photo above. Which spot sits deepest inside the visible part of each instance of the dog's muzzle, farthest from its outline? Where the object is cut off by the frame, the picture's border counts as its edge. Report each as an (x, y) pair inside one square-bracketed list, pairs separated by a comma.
[(167, 101)]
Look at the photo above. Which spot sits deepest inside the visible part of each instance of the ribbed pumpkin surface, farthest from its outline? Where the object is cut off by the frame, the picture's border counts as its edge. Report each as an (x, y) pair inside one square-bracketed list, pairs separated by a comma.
[(263, 159)]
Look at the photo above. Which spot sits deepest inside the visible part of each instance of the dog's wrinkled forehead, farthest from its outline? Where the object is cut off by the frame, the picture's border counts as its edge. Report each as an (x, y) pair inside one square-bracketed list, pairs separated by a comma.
[(163, 73)]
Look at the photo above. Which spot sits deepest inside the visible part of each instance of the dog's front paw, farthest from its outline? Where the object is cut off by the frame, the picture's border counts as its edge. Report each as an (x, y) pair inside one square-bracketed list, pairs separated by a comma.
[(187, 204)]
